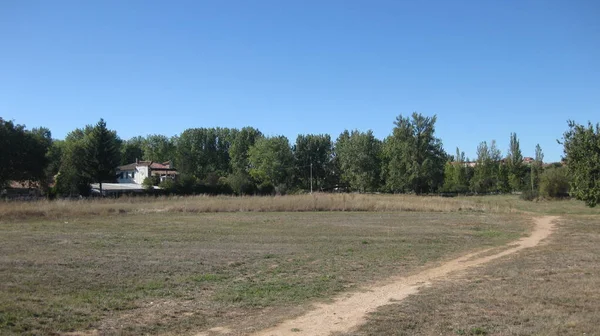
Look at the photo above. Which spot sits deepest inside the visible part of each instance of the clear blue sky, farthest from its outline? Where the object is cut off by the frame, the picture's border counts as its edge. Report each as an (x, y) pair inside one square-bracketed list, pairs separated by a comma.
[(485, 68)]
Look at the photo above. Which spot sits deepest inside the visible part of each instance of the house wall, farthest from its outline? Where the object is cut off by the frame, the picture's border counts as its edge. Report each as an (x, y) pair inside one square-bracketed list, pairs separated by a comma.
[(133, 176), (141, 173)]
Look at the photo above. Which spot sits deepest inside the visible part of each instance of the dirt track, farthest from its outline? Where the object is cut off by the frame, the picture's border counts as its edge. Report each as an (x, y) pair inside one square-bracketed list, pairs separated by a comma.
[(348, 312)]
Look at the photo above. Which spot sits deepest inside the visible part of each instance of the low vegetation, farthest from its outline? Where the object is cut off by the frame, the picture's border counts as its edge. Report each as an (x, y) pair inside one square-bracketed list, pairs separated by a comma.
[(136, 266), (224, 161), (197, 204), (549, 290)]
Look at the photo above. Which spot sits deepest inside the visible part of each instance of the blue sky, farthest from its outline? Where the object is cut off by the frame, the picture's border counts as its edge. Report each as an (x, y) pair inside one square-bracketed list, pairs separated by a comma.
[(485, 68)]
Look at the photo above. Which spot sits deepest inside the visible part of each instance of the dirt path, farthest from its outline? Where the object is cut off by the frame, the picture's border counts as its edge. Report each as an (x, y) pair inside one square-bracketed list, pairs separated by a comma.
[(350, 311)]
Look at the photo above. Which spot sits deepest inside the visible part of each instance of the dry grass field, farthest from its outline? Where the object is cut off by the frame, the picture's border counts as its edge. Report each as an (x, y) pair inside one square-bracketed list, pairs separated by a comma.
[(553, 289), (297, 203), (175, 266)]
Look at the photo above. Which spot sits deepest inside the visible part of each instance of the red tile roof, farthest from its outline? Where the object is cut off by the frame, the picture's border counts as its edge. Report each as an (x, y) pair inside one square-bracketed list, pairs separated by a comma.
[(153, 165)]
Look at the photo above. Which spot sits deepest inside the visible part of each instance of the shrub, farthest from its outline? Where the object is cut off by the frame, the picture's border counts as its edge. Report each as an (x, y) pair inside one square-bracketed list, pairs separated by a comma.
[(240, 184), (529, 195), (169, 186), (223, 187), (554, 183), (150, 182), (281, 189), (186, 185)]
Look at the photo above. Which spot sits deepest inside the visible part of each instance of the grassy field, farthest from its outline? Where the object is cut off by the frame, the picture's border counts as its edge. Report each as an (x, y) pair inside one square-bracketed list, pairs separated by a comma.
[(298, 203), (181, 265), (170, 271), (550, 290)]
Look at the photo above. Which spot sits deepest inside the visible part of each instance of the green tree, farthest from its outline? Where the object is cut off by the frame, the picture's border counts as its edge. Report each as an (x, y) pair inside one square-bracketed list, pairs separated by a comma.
[(239, 180), (503, 184), (514, 161), (271, 161), (313, 152), (204, 152), (449, 172), (456, 176), (554, 183), (37, 145), (487, 166), (582, 156), (240, 183), (23, 153), (537, 168), (157, 148), (358, 155), (101, 154), (149, 182), (132, 150), (54, 156), (71, 178), (414, 156), (238, 152)]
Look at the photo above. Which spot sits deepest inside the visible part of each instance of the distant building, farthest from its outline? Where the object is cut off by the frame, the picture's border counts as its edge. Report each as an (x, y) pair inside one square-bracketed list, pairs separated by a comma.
[(138, 171), (528, 160), (130, 177), (17, 189)]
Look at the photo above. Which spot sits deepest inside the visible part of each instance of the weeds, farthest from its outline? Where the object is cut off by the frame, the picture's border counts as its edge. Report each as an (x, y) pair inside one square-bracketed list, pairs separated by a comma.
[(206, 204)]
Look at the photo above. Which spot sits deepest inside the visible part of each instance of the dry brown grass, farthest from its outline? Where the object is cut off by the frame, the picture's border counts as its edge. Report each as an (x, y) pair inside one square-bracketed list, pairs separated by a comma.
[(549, 290), (169, 272), (145, 265), (297, 203)]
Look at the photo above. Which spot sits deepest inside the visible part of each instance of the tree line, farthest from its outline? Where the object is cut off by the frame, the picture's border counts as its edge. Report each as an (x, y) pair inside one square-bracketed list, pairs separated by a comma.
[(245, 161)]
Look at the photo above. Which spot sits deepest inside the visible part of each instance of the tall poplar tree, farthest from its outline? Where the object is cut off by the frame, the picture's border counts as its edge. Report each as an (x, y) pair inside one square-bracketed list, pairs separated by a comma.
[(516, 170)]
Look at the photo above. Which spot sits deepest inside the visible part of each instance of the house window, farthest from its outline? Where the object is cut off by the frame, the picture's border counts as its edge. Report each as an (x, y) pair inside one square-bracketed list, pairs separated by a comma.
[(132, 174)]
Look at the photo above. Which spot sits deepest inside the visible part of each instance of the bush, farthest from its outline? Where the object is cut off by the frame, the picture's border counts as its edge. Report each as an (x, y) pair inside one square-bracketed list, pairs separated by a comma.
[(554, 183), (240, 184), (150, 182), (223, 187), (529, 195), (281, 189), (265, 189), (169, 186), (187, 185)]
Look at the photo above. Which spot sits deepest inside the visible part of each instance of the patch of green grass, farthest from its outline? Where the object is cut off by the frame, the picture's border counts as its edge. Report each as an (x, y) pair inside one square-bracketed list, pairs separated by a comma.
[(478, 331), (489, 233)]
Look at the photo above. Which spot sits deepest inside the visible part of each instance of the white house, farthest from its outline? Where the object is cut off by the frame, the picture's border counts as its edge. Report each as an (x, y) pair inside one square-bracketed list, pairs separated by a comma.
[(131, 176), (136, 172)]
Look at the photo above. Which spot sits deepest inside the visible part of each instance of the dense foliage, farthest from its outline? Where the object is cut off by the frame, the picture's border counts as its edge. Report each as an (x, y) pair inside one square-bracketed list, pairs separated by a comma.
[(23, 153), (414, 157), (582, 155), (244, 161)]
